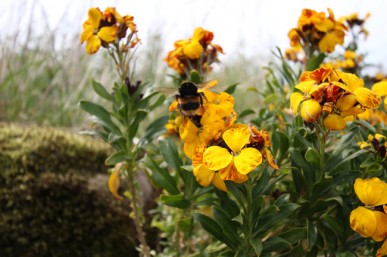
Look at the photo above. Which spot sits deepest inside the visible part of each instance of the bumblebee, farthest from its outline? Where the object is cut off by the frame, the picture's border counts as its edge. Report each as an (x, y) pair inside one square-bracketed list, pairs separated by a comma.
[(190, 99)]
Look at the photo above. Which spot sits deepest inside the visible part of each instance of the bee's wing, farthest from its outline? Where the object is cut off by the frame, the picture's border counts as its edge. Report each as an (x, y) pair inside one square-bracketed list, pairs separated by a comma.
[(207, 85), (168, 91)]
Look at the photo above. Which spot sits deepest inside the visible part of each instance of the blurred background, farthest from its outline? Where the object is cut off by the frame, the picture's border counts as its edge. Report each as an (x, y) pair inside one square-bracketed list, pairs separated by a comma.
[(43, 66)]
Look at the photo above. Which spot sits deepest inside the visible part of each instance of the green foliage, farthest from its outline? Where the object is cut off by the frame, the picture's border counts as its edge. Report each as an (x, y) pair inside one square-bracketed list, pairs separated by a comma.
[(53, 196)]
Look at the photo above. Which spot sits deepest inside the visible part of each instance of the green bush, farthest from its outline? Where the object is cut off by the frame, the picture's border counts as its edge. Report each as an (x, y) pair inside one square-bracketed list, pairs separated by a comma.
[(54, 199)]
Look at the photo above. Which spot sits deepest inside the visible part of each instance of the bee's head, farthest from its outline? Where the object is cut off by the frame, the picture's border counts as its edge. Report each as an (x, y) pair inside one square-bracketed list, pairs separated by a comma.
[(188, 89)]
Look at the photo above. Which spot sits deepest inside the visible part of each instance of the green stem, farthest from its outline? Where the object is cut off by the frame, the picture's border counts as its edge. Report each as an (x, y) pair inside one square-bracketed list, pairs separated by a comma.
[(137, 214)]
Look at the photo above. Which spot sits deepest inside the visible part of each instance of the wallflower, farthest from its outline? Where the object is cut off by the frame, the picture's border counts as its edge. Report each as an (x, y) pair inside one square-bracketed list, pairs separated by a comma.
[(368, 221), (234, 156), (316, 32), (101, 29), (195, 53), (237, 153), (335, 94), (376, 144)]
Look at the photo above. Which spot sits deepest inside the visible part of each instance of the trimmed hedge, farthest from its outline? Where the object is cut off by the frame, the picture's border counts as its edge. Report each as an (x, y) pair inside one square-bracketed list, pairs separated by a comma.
[(54, 199)]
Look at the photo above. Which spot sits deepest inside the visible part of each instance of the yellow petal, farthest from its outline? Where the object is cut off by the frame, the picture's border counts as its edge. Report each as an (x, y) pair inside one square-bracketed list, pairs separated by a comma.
[(216, 157), (310, 110), (345, 102), (108, 34), (366, 97), (363, 221), (86, 34), (372, 191), (114, 181), (380, 88), (381, 228), (247, 160), (305, 86), (236, 137), (218, 182), (295, 100), (93, 44), (334, 122), (203, 175), (95, 16), (193, 50)]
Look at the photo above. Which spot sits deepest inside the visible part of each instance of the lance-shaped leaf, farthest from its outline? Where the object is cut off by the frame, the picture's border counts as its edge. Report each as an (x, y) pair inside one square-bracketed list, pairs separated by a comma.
[(103, 116), (101, 91)]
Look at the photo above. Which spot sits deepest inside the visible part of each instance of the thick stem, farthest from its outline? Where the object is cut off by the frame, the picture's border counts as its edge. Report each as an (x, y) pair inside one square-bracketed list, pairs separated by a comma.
[(137, 215)]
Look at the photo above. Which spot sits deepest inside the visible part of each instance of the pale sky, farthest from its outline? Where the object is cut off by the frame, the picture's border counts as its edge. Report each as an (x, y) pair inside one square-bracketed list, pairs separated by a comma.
[(252, 27)]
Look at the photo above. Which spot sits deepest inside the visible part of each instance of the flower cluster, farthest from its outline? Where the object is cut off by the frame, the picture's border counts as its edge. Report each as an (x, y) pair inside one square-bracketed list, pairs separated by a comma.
[(214, 115), (316, 32), (336, 94), (371, 220), (220, 150), (195, 53), (104, 28)]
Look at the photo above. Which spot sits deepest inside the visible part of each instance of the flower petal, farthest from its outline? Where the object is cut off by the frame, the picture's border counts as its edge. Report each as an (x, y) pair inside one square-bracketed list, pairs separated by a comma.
[(363, 221), (247, 160), (371, 192), (216, 157), (366, 97), (236, 137), (218, 182), (334, 122), (203, 175), (93, 44), (108, 34)]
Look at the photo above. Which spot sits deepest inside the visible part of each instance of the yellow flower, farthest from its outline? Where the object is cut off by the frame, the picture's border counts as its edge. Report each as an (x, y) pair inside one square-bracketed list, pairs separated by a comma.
[(94, 33), (310, 110), (245, 159), (369, 223), (372, 192)]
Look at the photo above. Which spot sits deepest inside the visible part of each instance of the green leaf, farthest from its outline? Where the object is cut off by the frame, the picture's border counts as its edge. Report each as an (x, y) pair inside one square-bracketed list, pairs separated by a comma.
[(195, 77), (170, 153), (178, 201), (315, 61), (161, 176), (154, 129), (245, 113), (102, 114), (294, 235), (275, 244), (117, 157), (230, 89), (101, 91), (311, 234), (312, 156), (229, 227), (135, 123), (280, 144), (213, 228), (257, 245)]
